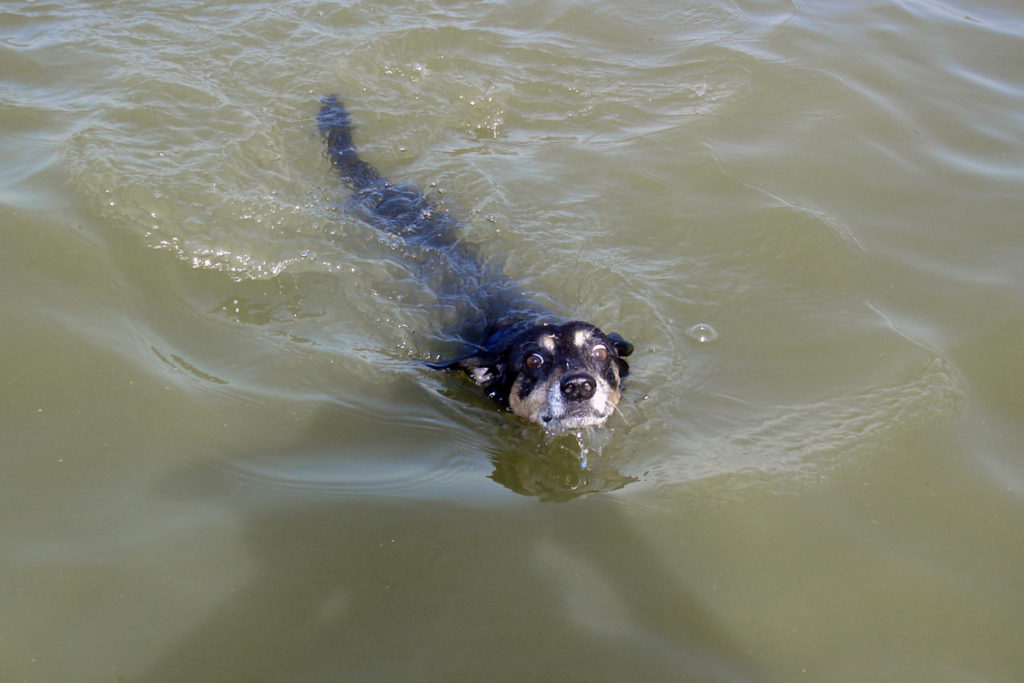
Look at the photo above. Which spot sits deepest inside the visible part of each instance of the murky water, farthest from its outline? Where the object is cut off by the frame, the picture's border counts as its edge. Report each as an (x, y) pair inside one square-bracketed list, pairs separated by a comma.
[(221, 462)]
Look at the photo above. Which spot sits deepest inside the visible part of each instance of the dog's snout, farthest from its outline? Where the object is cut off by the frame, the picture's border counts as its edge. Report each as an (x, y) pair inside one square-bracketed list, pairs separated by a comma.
[(578, 387)]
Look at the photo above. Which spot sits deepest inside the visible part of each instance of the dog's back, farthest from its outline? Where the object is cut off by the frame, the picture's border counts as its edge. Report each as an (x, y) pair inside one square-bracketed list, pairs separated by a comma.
[(556, 373), (485, 299)]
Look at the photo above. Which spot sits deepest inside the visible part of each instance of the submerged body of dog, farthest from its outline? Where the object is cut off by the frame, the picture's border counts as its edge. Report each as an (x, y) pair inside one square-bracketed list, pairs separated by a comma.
[(559, 374)]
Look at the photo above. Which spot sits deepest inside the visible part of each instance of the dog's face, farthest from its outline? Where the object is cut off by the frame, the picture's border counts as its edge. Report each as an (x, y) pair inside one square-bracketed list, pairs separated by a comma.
[(560, 377)]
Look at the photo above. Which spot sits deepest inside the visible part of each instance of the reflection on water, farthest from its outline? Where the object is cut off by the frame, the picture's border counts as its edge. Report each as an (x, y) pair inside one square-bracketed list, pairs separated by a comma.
[(565, 468)]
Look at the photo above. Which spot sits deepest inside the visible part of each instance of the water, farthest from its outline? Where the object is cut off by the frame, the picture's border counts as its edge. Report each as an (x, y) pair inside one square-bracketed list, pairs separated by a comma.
[(220, 462)]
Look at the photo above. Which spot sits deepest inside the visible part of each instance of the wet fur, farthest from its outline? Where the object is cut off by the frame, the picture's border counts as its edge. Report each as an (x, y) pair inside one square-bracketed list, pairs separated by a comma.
[(573, 385), (537, 394)]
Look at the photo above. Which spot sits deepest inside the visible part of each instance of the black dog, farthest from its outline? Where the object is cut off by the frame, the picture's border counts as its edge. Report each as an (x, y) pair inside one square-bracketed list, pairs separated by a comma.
[(560, 375)]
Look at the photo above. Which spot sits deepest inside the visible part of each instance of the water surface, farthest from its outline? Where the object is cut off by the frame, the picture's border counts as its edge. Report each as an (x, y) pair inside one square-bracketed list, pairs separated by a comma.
[(221, 462)]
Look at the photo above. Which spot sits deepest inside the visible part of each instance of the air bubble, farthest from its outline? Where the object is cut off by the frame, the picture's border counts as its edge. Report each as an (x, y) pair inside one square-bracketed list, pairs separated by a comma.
[(702, 332)]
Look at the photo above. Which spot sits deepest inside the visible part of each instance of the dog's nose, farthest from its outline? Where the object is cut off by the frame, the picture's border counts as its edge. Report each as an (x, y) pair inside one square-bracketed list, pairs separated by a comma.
[(578, 387)]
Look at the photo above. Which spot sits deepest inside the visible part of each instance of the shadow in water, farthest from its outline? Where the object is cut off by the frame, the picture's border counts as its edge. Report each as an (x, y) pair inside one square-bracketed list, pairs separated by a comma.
[(377, 589)]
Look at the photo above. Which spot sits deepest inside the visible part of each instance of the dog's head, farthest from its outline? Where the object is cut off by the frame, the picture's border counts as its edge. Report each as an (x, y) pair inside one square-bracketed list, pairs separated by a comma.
[(560, 377)]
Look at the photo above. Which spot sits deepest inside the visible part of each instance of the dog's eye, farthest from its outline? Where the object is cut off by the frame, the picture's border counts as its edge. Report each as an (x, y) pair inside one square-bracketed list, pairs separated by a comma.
[(534, 361), (599, 352)]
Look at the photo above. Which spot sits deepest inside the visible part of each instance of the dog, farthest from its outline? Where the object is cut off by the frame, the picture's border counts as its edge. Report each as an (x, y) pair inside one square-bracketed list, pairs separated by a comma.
[(560, 374)]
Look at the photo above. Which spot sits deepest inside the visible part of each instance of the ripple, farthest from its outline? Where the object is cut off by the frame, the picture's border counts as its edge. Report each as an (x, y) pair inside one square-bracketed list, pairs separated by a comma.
[(745, 439)]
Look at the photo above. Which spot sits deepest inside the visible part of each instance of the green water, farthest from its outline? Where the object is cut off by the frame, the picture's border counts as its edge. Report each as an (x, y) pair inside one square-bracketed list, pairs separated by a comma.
[(219, 461)]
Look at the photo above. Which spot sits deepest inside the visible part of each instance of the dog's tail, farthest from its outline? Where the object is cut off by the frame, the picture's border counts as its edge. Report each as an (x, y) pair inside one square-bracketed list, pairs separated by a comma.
[(335, 124)]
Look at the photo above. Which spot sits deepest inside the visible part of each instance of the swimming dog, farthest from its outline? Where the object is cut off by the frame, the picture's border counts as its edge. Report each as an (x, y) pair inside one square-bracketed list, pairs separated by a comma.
[(559, 374)]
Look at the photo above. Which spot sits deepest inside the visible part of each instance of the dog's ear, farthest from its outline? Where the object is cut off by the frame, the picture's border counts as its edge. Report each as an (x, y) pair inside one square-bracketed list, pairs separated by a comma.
[(483, 368), (622, 347)]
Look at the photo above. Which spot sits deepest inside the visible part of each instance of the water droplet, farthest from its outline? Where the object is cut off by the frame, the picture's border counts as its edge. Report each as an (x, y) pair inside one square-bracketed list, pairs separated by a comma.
[(702, 332)]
